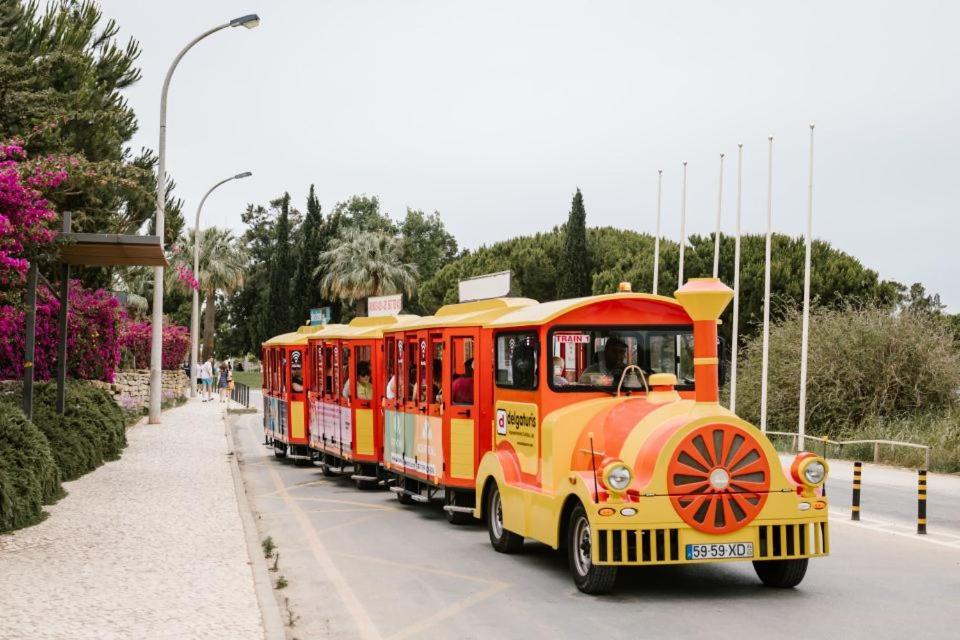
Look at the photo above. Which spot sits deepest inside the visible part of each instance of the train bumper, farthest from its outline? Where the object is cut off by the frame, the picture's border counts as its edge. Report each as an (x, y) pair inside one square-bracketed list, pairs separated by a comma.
[(630, 546)]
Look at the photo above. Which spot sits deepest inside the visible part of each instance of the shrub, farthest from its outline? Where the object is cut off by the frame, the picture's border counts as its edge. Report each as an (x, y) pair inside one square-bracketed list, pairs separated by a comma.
[(91, 431), (864, 365), (29, 477), (93, 344), (136, 345)]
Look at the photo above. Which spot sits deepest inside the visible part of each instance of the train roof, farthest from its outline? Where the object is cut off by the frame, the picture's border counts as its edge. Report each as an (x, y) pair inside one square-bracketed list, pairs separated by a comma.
[(368, 326), (546, 312), (301, 335), (470, 314)]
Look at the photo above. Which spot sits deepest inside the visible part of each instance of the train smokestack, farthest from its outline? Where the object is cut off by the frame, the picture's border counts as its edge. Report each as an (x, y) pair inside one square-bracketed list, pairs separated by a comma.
[(704, 299)]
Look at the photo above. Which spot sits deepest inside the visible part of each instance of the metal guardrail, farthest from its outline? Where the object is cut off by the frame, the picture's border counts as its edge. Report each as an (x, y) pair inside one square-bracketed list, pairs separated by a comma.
[(840, 444), (240, 394)]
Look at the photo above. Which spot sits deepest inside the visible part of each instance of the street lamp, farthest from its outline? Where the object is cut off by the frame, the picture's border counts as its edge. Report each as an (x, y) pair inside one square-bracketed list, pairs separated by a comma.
[(156, 343), (195, 309)]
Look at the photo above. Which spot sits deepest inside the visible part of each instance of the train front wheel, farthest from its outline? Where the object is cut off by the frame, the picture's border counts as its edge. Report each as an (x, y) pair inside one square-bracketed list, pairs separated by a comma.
[(588, 577), (782, 574), (502, 540)]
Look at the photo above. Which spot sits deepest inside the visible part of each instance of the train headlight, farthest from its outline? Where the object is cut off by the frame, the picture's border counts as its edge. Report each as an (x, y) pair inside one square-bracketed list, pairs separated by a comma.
[(810, 470), (814, 472), (617, 476)]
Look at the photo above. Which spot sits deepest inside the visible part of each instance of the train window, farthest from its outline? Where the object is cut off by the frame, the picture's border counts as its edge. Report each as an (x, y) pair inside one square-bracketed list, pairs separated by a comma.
[(436, 369), (517, 359), (296, 371), (390, 363), (364, 381), (283, 371), (597, 358), (461, 391), (345, 372), (421, 387), (410, 382), (316, 376), (329, 389)]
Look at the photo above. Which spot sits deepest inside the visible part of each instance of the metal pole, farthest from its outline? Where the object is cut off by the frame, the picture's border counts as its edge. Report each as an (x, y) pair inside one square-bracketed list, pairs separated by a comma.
[(156, 342), (656, 240), (922, 501), (805, 331), (736, 289), (766, 291), (29, 340), (716, 237), (62, 322), (195, 308), (855, 504), (683, 225)]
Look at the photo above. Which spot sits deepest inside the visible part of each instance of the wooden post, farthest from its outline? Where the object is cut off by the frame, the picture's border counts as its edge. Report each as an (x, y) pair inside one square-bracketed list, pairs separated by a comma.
[(30, 340), (62, 323)]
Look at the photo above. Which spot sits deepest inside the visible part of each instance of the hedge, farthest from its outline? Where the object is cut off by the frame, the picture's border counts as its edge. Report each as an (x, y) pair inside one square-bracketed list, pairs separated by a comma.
[(29, 477)]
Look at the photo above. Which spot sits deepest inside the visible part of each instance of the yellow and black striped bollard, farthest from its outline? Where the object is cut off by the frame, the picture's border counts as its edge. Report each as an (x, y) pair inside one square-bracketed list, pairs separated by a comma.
[(922, 501), (855, 506)]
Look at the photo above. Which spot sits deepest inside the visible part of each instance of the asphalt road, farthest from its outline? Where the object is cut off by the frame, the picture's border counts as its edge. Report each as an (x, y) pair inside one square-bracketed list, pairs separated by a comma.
[(360, 565)]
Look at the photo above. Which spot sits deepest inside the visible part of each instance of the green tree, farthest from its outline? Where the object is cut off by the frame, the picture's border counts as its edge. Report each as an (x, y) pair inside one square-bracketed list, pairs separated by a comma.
[(427, 244), (223, 261), (62, 74), (364, 264), (311, 241), (276, 313), (574, 277)]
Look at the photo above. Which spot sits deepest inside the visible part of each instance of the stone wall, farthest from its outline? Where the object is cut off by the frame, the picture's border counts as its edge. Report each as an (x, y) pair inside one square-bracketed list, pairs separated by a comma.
[(131, 389)]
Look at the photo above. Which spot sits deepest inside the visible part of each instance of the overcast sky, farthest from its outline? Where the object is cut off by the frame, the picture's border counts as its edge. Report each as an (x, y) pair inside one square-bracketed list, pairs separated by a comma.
[(494, 112)]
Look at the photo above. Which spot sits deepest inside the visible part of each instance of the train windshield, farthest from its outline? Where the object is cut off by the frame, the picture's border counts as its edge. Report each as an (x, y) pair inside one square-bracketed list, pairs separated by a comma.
[(596, 358)]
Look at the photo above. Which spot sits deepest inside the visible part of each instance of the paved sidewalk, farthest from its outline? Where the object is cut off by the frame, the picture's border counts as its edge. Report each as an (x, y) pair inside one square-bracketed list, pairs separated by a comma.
[(149, 546)]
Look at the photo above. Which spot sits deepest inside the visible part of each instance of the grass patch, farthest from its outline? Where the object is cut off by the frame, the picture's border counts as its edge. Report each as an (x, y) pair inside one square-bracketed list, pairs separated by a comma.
[(250, 378)]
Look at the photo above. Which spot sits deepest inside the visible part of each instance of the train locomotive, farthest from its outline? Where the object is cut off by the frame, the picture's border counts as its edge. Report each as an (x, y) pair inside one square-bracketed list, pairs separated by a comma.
[(591, 425)]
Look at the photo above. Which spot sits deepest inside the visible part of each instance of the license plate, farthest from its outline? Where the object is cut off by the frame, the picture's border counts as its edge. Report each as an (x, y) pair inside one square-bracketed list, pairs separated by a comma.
[(719, 550)]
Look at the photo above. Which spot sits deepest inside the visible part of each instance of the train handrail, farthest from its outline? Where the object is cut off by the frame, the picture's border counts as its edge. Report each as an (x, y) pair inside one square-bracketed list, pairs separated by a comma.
[(842, 443)]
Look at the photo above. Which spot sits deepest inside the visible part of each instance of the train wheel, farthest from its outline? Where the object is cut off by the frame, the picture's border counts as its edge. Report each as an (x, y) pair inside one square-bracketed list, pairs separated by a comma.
[(502, 540), (782, 574), (327, 473), (365, 485), (588, 577), (279, 450), (404, 498), (456, 517)]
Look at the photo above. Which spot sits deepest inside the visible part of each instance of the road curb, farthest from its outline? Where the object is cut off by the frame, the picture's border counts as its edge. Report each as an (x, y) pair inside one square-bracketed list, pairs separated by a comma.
[(273, 628)]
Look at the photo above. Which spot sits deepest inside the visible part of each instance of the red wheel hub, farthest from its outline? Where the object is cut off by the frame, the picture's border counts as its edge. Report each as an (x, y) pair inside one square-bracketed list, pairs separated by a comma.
[(718, 478)]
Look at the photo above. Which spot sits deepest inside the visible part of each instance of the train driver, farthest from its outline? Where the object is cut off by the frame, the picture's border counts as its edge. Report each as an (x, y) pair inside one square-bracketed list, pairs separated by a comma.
[(609, 366)]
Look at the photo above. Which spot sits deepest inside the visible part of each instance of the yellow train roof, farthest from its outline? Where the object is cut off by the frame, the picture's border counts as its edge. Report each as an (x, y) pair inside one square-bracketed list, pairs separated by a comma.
[(301, 335), (369, 326), (470, 314), (547, 311)]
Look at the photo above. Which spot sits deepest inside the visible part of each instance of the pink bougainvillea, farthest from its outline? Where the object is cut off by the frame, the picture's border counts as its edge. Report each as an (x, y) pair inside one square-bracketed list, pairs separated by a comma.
[(25, 216), (136, 342), (94, 322), (185, 275)]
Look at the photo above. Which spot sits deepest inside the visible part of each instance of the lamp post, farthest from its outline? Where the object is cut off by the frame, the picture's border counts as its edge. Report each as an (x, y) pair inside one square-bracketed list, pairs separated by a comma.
[(195, 309), (156, 344)]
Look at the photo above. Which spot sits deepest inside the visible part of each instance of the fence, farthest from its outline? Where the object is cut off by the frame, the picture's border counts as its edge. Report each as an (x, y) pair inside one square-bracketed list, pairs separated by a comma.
[(240, 394), (840, 444)]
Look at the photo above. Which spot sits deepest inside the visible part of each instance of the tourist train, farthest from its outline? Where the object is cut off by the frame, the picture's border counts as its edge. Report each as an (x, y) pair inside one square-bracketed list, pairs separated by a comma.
[(592, 425)]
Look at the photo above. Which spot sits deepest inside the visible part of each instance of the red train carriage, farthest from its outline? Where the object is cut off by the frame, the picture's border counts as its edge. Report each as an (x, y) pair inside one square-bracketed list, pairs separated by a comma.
[(346, 385), (285, 379), (436, 404)]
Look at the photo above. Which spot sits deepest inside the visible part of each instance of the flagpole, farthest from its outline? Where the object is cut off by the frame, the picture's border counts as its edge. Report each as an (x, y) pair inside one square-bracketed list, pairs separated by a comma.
[(716, 238), (766, 290), (805, 333), (736, 289), (683, 225), (656, 241)]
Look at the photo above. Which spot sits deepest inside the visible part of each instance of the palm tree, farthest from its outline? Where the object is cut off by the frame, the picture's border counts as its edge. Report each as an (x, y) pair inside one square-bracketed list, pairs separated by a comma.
[(364, 264), (223, 265)]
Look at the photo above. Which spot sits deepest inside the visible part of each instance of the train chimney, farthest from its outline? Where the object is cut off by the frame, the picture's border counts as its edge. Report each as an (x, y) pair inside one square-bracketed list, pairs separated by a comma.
[(704, 299)]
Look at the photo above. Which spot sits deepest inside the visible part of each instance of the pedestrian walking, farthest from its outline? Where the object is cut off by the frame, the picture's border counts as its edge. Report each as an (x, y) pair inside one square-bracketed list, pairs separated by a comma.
[(223, 381), (206, 375)]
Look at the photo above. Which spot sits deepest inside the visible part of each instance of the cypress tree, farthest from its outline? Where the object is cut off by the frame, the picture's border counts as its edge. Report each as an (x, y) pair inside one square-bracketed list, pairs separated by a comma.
[(573, 277), (277, 316), (310, 243)]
